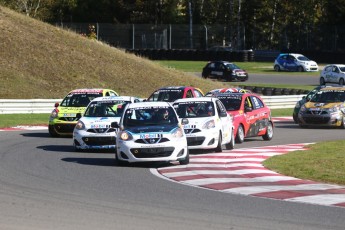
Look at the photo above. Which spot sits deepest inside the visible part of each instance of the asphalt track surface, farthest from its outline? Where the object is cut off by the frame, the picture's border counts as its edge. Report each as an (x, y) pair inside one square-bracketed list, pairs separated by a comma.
[(44, 184)]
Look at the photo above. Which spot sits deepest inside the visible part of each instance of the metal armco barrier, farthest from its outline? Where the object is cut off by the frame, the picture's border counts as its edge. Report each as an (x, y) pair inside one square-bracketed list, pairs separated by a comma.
[(27, 106)]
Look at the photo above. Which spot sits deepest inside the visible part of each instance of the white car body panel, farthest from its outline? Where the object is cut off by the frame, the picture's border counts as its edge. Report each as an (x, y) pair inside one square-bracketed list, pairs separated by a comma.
[(150, 143), (97, 132), (198, 136)]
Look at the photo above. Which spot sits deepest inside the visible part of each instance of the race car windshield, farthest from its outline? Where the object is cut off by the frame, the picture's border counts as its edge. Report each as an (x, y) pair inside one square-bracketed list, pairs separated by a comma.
[(329, 97), (194, 109), (232, 103), (111, 109), (303, 58), (166, 95), (232, 66), (78, 100), (151, 116)]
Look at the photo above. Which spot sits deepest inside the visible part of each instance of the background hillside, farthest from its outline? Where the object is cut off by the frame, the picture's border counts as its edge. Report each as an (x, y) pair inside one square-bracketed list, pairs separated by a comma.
[(38, 60)]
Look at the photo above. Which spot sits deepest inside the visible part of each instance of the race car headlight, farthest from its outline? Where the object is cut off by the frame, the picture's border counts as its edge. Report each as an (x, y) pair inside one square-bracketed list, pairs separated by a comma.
[(80, 125), (177, 133), (54, 113), (125, 136), (209, 125), (334, 109), (303, 109)]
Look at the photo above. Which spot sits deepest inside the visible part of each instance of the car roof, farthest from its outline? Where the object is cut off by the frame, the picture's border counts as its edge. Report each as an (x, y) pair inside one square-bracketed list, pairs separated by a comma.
[(292, 54), (175, 87), (149, 104), (115, 98), (228, 90), (195, 99), (339, 65), (90, 90)]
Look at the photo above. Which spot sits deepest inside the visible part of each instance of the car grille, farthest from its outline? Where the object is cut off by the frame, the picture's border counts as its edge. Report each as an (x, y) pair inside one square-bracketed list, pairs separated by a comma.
[(188, 131), (152, 140), (68, 119), (100, 130), (152, 152), (100, 140), (316, 112), (316, 120), (192, 141), (64, 128)]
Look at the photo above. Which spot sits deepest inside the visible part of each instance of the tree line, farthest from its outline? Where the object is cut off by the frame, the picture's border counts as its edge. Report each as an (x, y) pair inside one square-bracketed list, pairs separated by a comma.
[(274, 23)]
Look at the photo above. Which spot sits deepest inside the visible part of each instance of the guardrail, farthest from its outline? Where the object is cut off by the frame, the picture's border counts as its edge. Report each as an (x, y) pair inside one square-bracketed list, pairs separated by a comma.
[(27, 106)]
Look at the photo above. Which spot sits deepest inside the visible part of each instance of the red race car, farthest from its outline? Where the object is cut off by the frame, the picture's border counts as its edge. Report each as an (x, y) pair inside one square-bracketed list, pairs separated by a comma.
[(250, 114)]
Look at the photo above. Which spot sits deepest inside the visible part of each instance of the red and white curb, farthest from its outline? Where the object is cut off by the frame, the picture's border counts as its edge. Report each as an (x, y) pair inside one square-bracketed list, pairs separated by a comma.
[(23, 127), (240, 171)]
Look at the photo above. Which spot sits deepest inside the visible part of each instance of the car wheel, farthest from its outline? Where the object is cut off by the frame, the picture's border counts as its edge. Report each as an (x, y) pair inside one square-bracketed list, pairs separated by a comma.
[(277, 68), (231, 144), (219, 149), (185, 161), (52, 131), (269, 132), (300, 69), (240, 134), (341, 81), (342, 123), (322, 81)]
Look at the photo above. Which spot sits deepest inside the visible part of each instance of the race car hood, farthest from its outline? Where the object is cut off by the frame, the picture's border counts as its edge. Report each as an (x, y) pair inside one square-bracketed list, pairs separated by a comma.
[(197, 122), (152, 129), (310, 105), (71, 110), (98, 122)]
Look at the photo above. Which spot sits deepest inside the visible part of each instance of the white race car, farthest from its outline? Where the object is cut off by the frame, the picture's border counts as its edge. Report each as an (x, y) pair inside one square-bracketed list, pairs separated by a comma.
[(209, 125), (334, 73), (150, 131), (93, 130)]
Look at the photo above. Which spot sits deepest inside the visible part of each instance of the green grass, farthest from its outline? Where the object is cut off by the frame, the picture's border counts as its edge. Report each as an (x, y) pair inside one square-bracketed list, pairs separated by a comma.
[(251, 67), (323, 162)]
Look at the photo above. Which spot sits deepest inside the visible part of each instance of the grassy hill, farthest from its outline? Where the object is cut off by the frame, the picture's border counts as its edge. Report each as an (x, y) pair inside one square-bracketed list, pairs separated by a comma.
[(38, 60)]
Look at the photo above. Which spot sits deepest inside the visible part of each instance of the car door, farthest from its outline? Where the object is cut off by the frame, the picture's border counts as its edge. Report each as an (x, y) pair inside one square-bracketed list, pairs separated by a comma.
[(335, 75), (225, 121), (291, 63), (260, 115), (327, 73)]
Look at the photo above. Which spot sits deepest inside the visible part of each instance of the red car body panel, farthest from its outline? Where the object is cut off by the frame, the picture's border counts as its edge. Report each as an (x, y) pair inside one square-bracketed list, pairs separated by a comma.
[(254, 121)]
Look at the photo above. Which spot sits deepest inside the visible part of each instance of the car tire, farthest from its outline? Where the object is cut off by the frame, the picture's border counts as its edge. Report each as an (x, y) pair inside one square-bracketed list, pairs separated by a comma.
[(341, 81), (322, 81), (240, 134), (342, 126), (52, 131), (277, 68), (185, 161), (269, 132), (300, 69), (231, 144), (219, 149)]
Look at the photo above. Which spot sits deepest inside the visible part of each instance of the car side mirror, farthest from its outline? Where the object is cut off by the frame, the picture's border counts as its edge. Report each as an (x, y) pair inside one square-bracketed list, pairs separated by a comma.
[(247, 109), (115, 124), (223, 114), (79, 116), (184, 121)]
